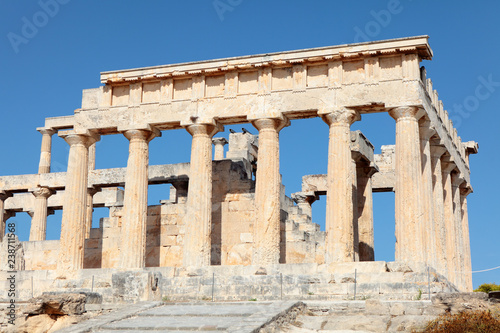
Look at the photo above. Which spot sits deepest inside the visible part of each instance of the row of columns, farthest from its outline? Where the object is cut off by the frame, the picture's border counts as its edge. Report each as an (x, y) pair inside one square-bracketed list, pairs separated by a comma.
[(431, 204), (426, 230)]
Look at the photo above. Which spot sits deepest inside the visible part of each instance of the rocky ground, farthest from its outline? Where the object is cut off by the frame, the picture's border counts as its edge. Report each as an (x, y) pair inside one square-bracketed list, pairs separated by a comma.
[(53, 312), (385, 316)]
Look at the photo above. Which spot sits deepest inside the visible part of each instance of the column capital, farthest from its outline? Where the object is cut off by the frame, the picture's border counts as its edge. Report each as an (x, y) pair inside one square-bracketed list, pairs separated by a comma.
[(204, 129), (426, 129), (406, 112), (341, 117), (4, 195), (437, 151), (466, 190), (47, 131), (8, 214), (271, 123), (141, 134), (304, 197), (367, 169), (93, 190), (447, 167), (80, 139), (456, 179), (219, 141), (42, 192)]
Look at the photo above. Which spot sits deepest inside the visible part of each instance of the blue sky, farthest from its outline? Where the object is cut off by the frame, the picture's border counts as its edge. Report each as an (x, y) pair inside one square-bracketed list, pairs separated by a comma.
[(43, 71)]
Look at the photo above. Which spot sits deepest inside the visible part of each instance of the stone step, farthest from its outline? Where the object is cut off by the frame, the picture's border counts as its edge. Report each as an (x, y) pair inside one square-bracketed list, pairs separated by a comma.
[(309, 227), (186, 317), (363, 316)]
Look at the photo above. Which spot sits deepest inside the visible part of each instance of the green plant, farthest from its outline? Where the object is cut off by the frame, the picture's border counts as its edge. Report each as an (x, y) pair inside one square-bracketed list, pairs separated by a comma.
[(465, 322), (253, 299), (165, 299), (419, 295), (206, 298), (310, 293), (487, 287)]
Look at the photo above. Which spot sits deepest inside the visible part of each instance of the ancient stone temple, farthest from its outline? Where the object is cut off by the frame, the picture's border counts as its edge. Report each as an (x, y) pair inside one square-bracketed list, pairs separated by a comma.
[(227, 212)]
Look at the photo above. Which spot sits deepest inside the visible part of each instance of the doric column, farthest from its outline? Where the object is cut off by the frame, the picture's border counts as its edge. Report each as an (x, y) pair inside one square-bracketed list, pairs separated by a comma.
[(464, 192), (266, 245), (304, 201), (90, 210), (219, 148), (90, 193), (38, 229), (355, 226), (449, 218), (428, 224), (197, 244), (365, 213), (75, 203), (408, 188), (44, 166), (339, 205), (456, 182), (135, 203), (3, 196), (438, 209)]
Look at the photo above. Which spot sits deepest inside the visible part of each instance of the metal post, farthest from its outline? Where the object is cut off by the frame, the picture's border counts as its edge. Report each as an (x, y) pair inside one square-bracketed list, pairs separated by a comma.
[(213, 285), (355, 282), (428, 283), (281, 277)]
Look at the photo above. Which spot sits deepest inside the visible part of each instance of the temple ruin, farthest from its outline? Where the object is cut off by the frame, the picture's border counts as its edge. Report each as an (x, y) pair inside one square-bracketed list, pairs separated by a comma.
[(228, 209)]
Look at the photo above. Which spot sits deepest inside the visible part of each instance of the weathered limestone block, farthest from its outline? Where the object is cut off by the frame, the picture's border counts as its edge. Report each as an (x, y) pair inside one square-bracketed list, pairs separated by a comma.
[(41, 255), (8, 247), (57, 304), (171, 256), (136, 286)]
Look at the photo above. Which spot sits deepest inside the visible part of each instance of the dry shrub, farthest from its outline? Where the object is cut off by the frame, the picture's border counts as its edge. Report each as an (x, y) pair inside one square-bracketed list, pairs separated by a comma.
[(465, 322)]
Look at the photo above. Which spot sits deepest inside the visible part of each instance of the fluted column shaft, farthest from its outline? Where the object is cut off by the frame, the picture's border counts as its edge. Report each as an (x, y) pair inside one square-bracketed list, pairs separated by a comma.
[(197, 240), (38, 230), (408, 186), (449, 220), (75, 203), (365, 214), (266, 248), (90, 194), (45, 152), (339, 203), (456, 182), (219, 148), (438, 209), (135, 203), (428, 225), (466, 240)]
